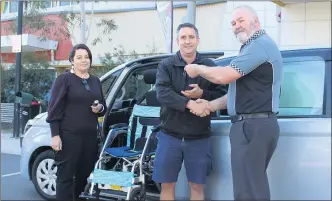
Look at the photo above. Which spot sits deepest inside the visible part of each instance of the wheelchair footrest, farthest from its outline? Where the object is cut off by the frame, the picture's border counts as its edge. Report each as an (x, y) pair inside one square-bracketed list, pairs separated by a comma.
[(109, 177)]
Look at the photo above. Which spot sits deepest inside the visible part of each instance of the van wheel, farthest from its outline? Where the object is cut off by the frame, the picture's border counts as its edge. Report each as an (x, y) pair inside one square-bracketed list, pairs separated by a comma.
[(44, 175)]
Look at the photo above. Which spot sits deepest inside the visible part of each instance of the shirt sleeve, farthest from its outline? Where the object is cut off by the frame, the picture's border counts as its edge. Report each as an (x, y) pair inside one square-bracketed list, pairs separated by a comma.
[(57, 104), (165, 93), (249, 58)]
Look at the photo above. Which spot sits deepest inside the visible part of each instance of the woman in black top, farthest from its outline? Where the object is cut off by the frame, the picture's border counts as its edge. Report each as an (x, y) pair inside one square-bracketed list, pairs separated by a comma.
[(73, 121)]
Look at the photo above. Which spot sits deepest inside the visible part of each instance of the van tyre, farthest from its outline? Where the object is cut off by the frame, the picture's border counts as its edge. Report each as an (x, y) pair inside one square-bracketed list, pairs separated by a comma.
[(44, 175)]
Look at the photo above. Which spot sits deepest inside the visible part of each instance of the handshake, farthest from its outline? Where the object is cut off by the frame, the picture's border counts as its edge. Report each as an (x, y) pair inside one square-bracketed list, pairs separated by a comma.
[(200, 107)]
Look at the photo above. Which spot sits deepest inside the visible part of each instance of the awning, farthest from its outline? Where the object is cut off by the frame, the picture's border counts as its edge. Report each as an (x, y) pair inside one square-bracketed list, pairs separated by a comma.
[(30, 43)]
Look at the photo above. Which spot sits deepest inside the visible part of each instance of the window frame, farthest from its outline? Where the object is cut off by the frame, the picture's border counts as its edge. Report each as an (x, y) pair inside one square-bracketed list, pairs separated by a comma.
[(49, 3), (64, 2), (70, 3), (10, 6), (327, 92)]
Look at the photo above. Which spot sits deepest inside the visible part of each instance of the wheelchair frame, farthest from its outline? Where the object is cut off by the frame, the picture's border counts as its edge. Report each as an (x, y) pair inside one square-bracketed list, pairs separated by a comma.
[(141, 163)]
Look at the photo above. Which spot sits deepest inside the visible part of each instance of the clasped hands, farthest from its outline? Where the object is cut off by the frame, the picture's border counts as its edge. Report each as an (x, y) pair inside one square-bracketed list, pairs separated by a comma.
[(200, 107)]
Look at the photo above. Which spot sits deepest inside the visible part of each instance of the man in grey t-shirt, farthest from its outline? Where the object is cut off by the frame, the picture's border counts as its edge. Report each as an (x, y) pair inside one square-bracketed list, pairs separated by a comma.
[(252, 101)]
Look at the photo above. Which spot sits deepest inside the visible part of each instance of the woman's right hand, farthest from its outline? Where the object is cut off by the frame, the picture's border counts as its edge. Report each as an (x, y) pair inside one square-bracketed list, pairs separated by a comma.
[(56, 143)]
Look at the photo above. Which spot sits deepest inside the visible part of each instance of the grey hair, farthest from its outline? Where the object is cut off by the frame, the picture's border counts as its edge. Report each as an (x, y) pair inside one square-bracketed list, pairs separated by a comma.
[(248, 8), (186, 25)]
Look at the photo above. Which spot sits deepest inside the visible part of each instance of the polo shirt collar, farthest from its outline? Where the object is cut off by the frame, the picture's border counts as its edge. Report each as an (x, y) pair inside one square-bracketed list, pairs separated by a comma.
[(179, 61), (253, 37)]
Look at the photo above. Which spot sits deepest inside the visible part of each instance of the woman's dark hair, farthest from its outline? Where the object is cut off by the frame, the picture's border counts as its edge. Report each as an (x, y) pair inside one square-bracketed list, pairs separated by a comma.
[(77, 47)]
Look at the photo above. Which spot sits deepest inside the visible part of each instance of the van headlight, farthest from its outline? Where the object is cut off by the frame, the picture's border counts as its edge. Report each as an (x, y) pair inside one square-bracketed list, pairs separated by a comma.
[(26, 128), (31, 122)]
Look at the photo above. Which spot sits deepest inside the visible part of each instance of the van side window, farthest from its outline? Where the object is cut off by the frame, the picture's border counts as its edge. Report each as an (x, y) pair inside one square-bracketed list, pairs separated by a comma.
[(133, 88), (302, 89), (108, 82)]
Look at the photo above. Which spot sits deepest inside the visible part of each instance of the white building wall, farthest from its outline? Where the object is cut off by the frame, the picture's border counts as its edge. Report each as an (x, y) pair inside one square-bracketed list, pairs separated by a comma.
[(301, 25), (208, 21), (306, 24), (140, 30), (266, 12)]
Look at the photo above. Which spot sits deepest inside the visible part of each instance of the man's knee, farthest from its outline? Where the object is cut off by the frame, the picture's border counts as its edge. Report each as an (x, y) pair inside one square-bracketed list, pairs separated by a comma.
[(196, 191), (198, 188), (168, 186)]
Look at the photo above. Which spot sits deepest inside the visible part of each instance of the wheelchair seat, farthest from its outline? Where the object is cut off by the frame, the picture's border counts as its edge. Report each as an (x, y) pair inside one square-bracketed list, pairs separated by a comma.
[(122, 152)]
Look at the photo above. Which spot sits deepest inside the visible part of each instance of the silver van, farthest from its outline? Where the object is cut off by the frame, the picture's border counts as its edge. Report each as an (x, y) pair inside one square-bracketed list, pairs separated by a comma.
[(300, 168)]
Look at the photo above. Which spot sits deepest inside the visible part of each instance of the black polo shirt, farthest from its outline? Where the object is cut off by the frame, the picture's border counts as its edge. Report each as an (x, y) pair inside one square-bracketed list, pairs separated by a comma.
[(260, 64)]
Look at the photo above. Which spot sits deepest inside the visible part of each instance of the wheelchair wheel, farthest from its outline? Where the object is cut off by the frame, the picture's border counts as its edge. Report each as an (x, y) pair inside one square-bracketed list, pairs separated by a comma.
[(137, 194), (95, 191), (158, 186)]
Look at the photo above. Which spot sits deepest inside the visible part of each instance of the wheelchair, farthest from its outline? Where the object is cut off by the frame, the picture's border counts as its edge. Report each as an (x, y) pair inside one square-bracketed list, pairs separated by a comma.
[(124, 171)]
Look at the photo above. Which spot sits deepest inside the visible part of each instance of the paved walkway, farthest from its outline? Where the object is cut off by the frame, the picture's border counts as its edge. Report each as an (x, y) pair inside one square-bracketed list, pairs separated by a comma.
[(10, 145)]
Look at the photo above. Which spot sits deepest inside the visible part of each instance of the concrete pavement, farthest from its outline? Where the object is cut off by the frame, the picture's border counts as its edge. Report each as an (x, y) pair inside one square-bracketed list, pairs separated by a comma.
[(10, 145)]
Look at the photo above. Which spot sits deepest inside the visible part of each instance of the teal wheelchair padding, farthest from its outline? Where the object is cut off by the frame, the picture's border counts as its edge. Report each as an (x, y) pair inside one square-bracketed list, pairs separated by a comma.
[(141, 111), (109, 177)]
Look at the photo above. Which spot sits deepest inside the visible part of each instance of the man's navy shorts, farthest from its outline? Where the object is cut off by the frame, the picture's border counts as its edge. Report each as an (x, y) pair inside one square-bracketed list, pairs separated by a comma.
[(172, 151)]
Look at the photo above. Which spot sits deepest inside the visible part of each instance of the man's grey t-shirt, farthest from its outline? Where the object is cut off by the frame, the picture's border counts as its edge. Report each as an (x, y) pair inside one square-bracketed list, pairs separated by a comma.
[(260, 65)]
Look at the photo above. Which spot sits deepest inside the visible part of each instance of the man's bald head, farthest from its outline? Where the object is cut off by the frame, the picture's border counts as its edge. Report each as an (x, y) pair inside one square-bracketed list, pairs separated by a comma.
[(244, 23), (246, 9)]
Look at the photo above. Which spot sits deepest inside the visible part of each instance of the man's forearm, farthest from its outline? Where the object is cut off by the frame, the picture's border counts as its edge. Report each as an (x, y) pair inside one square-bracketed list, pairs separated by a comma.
[(170, 98), (219, 103), (218, 75), (212, 74)]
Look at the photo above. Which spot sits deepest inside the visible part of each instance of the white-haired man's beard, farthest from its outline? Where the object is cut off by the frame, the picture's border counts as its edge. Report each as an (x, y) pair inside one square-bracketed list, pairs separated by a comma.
[(242, 36)]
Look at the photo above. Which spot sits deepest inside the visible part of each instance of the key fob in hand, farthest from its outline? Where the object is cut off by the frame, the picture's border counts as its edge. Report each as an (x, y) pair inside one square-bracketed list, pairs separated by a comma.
[(95, 103)]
